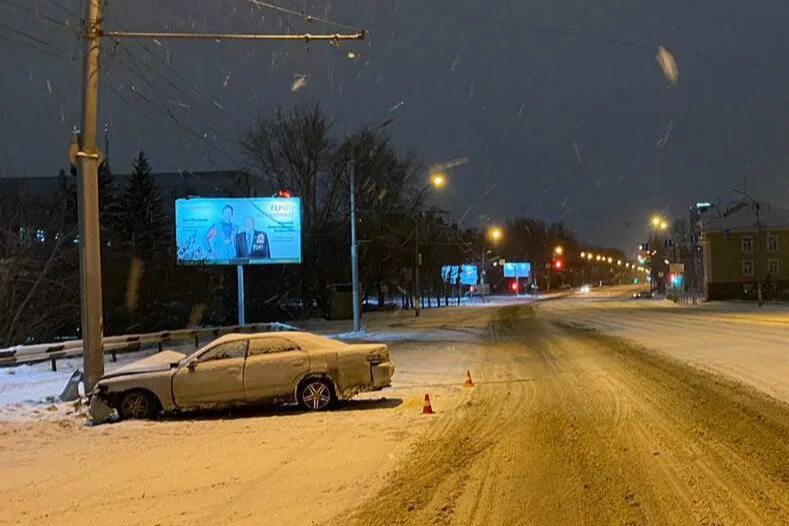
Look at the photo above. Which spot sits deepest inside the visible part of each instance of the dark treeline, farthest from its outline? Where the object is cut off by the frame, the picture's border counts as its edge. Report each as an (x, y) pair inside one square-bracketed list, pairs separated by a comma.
[(145, 290)]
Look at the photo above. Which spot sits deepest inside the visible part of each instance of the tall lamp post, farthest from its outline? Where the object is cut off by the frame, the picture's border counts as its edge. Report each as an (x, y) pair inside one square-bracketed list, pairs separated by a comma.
[(494, 234), (438, 181), (658, 224)]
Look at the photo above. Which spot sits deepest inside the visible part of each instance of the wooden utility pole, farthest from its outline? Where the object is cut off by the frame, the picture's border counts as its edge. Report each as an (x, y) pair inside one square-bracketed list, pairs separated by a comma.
[(88, 158)]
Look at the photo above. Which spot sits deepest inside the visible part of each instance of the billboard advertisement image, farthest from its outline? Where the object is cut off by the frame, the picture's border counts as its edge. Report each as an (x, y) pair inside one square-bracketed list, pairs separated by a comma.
[(517, 270), (467, 274), (238, 231)]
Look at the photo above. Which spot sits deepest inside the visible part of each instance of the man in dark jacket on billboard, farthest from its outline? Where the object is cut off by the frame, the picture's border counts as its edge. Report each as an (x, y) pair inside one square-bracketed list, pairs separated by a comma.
[(251, 243)]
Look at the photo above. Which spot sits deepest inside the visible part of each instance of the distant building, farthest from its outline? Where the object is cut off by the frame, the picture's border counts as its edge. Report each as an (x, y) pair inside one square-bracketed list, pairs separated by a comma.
[(737, 252), (171, 185)]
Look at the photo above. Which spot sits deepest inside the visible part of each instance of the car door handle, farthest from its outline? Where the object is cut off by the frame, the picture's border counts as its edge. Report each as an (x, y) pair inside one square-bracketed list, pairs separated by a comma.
[(296, 363)]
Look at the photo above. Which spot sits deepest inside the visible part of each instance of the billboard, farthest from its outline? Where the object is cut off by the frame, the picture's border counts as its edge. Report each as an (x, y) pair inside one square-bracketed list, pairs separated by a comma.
[(238, 231), (517, 270), (467, 274)]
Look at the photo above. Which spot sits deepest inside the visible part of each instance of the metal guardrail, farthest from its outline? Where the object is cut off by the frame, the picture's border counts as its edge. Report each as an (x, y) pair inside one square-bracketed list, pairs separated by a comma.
[(114, 345)]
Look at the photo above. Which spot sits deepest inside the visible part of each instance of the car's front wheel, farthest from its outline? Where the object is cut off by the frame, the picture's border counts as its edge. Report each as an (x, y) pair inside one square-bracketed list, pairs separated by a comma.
[(316, 394), (138, 404)]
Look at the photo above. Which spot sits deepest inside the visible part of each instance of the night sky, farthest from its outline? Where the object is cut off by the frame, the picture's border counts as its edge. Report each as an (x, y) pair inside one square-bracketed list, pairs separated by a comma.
[(559, 108)]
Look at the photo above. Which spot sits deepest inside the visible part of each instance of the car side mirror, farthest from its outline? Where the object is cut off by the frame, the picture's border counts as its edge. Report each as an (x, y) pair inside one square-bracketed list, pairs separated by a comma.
[(192, 365)]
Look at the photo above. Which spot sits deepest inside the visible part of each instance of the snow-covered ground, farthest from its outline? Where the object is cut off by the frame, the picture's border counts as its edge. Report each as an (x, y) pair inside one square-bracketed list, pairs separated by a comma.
[(27, 390), (737, 339)]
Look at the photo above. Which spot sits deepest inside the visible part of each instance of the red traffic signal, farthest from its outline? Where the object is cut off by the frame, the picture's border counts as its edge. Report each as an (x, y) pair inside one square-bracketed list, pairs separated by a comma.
[(514, 286), (557, 264)]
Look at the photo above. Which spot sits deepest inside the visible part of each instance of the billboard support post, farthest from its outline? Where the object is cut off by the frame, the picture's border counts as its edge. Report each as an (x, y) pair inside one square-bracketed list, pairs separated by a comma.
[(241, 305)]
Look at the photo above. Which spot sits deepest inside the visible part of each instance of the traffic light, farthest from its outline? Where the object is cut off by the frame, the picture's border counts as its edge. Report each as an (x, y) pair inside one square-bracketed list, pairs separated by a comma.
[(514, 286), (557, 264)]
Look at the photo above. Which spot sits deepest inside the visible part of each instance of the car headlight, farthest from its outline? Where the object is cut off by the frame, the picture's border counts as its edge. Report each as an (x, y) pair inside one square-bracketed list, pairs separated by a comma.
[(378, 356)]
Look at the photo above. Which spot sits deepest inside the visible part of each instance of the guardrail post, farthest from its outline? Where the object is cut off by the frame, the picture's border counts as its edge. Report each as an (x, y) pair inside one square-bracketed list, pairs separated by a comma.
[(114, 355), (54, 365), (196, 344)]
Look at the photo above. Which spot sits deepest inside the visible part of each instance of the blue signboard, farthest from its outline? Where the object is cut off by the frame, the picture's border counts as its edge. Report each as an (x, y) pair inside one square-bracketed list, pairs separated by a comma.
[(467, 274), (238, 231), (517, 270)]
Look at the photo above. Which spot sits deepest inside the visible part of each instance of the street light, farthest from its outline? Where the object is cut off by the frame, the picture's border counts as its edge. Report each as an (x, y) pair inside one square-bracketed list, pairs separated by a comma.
[(658, 223), (610, 259), (583, 255), (558, 250), (495, 233), (590, 256), (438, 180), (598, 257), (619, 262)]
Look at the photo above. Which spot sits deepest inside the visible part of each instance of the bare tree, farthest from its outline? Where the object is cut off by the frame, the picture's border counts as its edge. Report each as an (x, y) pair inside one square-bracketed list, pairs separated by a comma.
[(293, 151), (38, 270)]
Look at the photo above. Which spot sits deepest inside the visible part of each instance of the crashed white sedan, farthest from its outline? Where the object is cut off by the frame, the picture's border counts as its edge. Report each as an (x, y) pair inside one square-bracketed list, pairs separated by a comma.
[(240, 369)]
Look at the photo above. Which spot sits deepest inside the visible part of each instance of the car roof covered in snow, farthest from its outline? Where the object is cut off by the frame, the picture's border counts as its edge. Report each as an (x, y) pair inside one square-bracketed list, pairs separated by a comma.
[(300, 337)]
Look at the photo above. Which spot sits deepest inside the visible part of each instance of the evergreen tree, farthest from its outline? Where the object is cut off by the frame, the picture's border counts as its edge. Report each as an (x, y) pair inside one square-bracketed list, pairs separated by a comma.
[(108, 203), (142, 222)]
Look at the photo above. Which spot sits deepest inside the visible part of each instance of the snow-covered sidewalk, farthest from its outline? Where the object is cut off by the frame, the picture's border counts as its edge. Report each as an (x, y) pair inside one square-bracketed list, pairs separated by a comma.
[(739, 340)]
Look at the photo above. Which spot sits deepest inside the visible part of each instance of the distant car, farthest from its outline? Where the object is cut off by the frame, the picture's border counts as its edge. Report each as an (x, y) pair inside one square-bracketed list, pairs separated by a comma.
[(241, 369), (643, 294), (585, 289)]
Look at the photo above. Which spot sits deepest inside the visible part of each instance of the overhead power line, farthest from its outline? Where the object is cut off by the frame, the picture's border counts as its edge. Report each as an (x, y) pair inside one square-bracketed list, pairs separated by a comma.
[(41, 16), (301, 14)]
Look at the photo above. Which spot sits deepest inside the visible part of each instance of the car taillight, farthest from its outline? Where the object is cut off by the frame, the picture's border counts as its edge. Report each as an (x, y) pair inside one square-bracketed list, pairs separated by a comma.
[(379, 355)]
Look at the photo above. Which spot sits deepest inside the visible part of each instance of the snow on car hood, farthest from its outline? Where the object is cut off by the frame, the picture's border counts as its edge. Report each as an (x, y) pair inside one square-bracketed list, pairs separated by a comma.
[(157, 362)]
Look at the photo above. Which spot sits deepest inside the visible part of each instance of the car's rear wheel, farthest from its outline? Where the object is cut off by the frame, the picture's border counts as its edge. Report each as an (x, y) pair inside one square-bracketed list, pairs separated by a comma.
[(137, 405), (316, 394)]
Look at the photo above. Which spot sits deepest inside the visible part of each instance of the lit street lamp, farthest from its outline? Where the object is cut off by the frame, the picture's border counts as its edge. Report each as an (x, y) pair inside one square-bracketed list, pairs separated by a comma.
[(438, 181), (558, 250), (495, 234)]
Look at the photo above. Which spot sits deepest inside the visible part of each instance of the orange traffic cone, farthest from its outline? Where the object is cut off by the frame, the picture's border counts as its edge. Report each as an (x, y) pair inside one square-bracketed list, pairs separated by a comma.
[(469, 382), (427, 409)]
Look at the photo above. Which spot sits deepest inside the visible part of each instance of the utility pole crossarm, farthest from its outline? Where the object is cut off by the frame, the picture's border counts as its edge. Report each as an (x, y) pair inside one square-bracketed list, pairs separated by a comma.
[(305, 37)]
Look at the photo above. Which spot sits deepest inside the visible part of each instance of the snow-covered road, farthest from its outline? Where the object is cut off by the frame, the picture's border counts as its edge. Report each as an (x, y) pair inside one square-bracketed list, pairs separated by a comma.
[(738, 340)]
